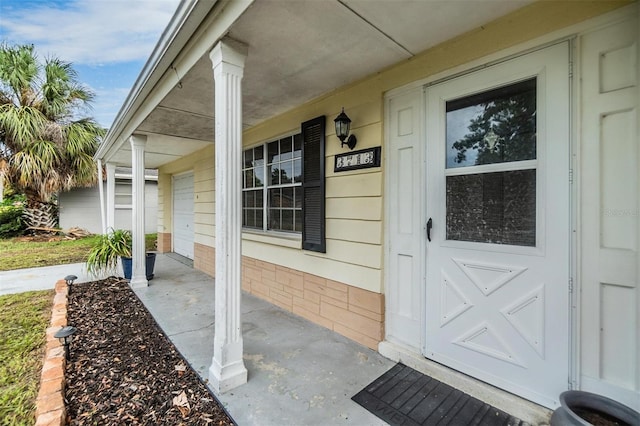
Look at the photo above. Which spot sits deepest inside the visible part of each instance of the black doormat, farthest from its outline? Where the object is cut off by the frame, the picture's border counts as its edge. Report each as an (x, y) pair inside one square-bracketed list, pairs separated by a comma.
[(404, 396)]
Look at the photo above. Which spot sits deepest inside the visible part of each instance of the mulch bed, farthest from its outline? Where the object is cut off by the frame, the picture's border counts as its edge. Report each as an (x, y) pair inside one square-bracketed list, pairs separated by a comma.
[(123, 368)]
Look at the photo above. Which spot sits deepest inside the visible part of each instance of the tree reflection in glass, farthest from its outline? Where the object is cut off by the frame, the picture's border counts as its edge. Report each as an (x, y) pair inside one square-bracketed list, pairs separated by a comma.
[(497, 126), (495, 206)]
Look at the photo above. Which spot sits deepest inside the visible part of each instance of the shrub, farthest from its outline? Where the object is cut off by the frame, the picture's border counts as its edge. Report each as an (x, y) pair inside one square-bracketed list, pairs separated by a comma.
[(11, 223), (103, 256)]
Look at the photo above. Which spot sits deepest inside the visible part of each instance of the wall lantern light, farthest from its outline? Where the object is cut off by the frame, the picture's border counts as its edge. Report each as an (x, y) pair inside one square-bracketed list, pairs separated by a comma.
[(65, 336), (343, 125), (70, 279)]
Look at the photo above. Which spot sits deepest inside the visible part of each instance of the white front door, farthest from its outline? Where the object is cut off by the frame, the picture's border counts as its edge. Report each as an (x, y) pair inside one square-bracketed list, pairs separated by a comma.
[(498, 193), (183, 215)]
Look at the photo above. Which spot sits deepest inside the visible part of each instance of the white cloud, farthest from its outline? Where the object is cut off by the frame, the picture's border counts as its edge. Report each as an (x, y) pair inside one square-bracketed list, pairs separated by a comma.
[(90, 31), (109, 103)]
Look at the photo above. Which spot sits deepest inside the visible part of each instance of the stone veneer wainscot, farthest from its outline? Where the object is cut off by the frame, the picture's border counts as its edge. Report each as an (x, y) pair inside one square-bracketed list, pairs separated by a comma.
[(353, 312)]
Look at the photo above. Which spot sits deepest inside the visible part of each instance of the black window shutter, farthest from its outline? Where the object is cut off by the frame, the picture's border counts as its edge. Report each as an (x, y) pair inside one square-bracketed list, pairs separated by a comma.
[(313, 203)]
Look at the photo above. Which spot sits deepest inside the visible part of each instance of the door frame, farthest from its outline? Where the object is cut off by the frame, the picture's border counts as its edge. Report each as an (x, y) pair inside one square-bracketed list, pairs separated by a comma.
[(497, 58)]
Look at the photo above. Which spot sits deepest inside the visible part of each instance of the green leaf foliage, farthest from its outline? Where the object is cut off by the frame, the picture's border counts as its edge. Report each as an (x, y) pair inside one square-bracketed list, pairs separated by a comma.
[(103, 256), (11, 223), (46, 144)]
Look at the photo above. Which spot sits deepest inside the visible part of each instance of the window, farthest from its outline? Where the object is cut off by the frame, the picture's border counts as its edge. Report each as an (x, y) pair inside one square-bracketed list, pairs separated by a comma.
[(253, 188), (272, 187), (491, 166), (283, 185)]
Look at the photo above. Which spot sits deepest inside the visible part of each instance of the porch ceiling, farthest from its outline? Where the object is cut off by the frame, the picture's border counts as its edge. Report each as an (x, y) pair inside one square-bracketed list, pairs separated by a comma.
[(299, 50)]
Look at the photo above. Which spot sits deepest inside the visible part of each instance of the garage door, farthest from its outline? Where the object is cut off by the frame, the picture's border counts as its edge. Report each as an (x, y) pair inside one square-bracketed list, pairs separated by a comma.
[(183, 215)]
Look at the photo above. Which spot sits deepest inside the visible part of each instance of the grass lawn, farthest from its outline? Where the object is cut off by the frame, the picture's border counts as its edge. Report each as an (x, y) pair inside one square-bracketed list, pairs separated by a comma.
[(23, 320), (22, 252)]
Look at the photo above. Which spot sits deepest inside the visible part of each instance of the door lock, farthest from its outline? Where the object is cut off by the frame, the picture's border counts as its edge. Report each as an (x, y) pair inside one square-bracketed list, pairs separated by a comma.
[(429, 226)]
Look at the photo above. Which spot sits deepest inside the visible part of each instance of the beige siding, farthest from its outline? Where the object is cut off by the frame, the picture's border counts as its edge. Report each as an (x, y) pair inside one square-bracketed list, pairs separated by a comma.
[(362, 231), (204, 197), (164, 202), (354, 205), (201, 164), (348, 270)]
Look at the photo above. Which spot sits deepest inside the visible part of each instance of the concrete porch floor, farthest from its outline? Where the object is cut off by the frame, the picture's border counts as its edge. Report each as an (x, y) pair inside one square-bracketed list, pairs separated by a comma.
[(299, 373)]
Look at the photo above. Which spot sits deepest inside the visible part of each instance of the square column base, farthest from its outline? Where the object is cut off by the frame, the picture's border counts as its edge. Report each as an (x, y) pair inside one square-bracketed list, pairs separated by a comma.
[(223, 379), (139, 282)]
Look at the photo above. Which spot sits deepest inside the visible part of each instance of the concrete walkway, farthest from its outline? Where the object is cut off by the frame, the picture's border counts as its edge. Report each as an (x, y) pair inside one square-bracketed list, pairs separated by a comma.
[(299, 373), (21, 280)]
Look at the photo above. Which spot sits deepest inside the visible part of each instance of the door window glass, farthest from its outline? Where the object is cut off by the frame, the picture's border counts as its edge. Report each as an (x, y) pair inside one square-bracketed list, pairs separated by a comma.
[(491, 166), (498, 208), (497, 126)]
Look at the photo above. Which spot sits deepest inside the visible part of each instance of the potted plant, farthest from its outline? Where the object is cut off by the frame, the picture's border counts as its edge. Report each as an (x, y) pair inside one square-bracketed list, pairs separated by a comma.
[(580, 408), (116, 244)]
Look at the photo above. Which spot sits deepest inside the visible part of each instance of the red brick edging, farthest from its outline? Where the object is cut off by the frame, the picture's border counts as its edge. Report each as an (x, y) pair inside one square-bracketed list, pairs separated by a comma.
[(50, 409)]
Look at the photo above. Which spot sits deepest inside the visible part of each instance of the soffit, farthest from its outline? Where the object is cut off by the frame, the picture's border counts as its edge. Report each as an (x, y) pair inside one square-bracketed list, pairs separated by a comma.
[(301, 49)]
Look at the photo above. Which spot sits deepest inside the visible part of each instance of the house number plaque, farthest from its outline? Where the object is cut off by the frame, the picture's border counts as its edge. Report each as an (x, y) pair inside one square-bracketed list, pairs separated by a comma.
[(362, 159)]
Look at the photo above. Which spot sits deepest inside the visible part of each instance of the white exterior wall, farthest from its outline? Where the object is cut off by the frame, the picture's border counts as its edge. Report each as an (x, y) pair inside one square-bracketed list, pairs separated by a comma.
[(609, 211), (81, 208)]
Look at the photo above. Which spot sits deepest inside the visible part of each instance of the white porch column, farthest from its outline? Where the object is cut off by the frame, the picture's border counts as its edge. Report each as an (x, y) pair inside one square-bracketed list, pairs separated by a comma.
[(103, 219), (111, 196), (227, 368), (138, 272)]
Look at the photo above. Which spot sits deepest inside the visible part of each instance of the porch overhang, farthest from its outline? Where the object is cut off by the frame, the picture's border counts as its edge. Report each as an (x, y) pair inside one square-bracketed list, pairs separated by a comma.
[(298, 52)]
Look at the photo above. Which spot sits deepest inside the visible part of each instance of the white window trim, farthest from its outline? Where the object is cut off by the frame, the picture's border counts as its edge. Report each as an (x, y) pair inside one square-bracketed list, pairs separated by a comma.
[(274, 233)]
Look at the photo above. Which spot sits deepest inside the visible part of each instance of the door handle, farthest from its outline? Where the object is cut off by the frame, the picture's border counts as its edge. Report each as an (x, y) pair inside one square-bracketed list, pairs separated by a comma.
[(429, 226)]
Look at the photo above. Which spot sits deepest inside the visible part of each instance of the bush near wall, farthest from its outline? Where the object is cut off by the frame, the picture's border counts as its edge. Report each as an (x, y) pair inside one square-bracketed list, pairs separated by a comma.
[(11, 223)]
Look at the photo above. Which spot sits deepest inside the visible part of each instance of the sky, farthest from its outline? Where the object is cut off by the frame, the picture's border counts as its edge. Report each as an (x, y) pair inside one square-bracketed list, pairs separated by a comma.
[(107, 41)]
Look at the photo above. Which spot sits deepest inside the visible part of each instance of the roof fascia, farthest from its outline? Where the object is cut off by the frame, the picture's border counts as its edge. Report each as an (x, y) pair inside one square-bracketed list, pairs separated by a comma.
[(193, 31), (163, 47)]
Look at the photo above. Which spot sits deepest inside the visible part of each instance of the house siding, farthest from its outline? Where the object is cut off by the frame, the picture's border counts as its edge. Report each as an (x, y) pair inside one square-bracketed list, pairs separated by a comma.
[(80, 207), (354, 200), (328, 288), (201, 164), (164, 200)]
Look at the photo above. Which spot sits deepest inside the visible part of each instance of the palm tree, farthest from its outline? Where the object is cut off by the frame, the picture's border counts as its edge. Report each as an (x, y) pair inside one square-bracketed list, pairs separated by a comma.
[(46, 146)]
